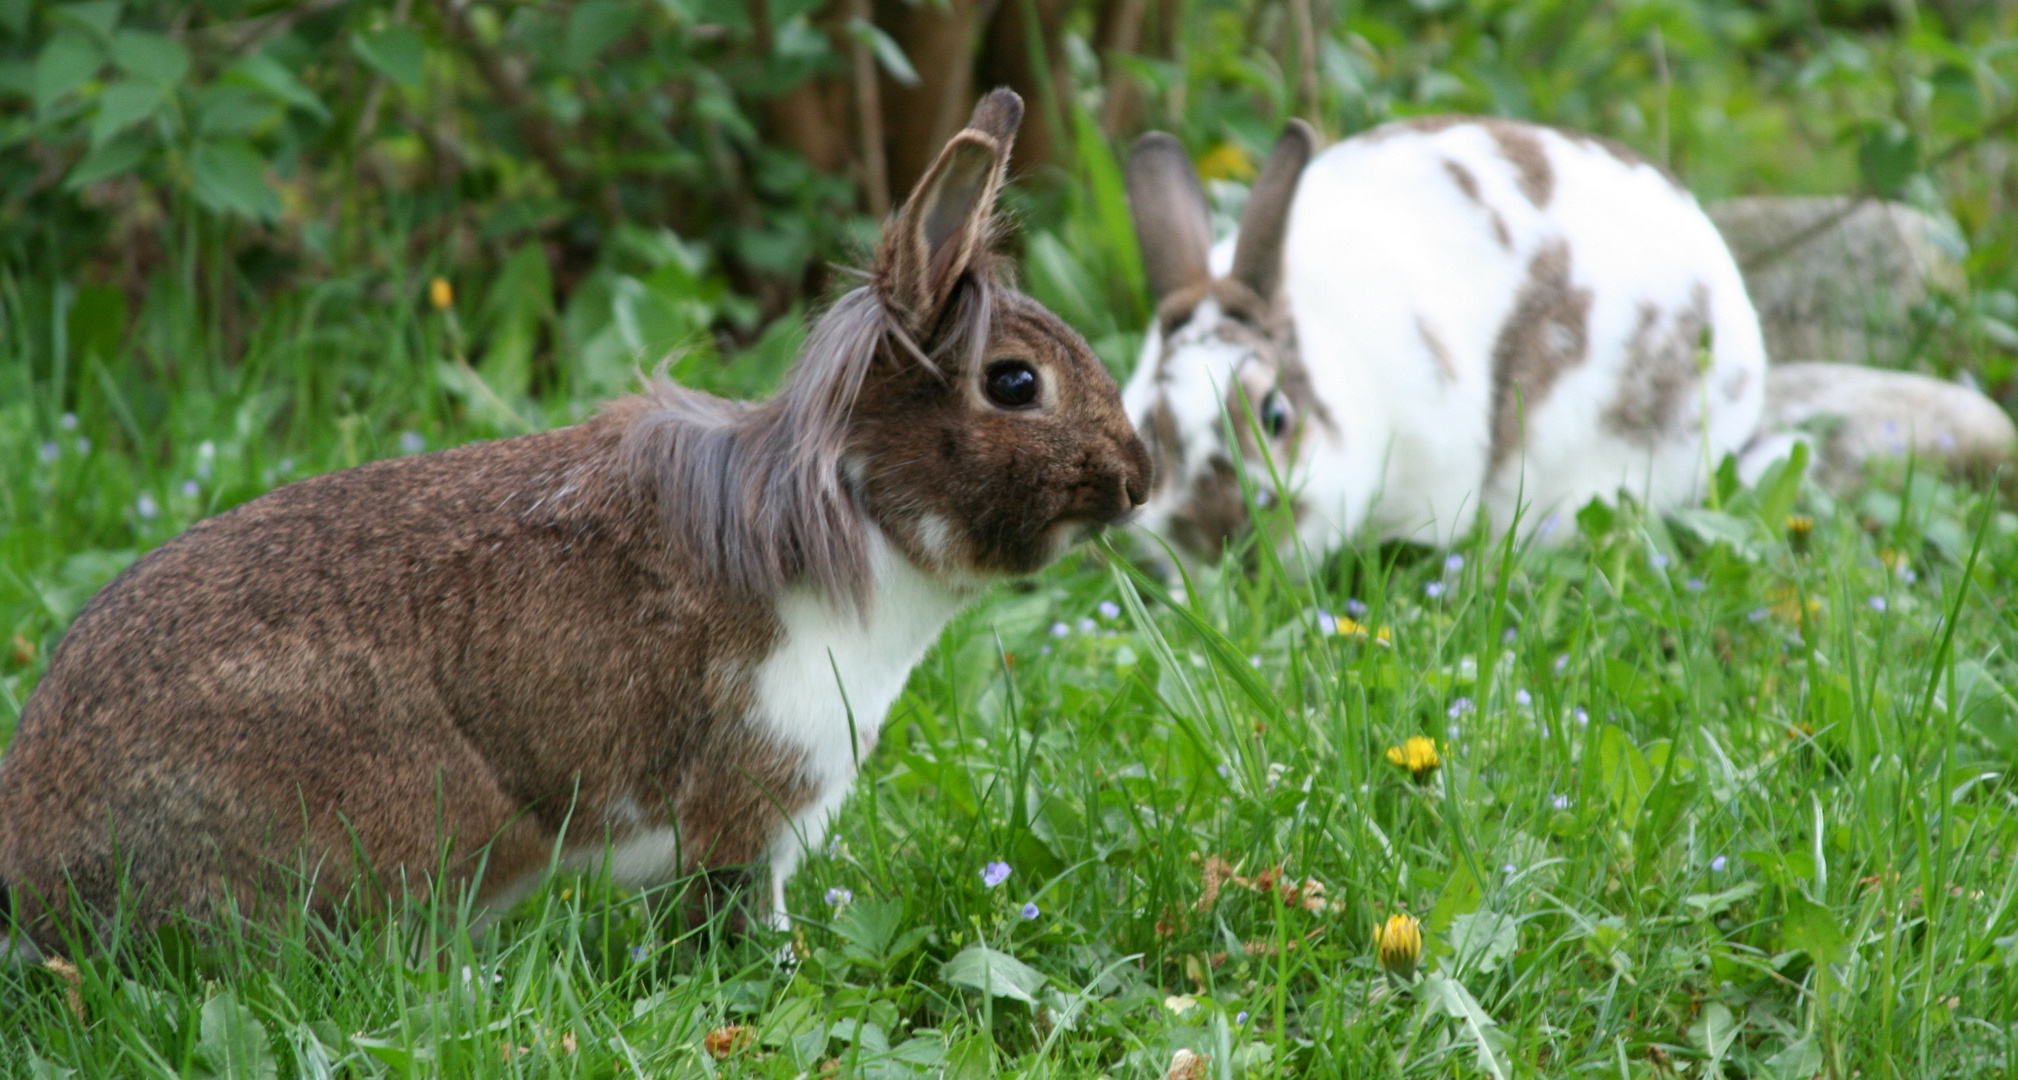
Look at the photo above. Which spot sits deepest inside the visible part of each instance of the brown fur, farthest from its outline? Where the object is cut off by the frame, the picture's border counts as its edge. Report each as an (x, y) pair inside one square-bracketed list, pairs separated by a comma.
[(1468, 184), (454, 660), (1661, 372), (1545, 334)]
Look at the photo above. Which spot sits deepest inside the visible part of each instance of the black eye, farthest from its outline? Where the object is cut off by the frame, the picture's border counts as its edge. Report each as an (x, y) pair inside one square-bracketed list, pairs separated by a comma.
[(1274, 414), (1011, 384)]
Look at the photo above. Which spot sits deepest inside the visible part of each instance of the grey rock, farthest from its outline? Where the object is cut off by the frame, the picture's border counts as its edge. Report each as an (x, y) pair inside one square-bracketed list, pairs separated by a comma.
[(1854, 416), (1835, 277)]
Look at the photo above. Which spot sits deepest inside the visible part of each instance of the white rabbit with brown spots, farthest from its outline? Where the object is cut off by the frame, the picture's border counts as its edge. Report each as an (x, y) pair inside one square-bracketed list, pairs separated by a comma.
[(1435, 319)]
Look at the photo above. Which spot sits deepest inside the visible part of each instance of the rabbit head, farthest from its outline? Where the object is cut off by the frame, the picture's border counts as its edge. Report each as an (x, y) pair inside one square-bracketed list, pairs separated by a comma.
[(1220, 390), (970, 425), (991, 438)]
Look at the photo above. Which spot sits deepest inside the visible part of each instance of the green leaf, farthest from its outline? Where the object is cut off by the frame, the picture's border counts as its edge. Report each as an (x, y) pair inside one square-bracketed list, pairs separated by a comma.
[(229, 177), (395, 52), (94, 17), (1710, 905), (1713, 1034), (595, 25), (145, 54), (111, 159), (66, 63), (124, 104), (1624, 772), (1887, 156), (233, 1044), (1812, 928), (889, 55), (273, 76), (1441, 991), (224, 110), (998, 974), (1483, 939)]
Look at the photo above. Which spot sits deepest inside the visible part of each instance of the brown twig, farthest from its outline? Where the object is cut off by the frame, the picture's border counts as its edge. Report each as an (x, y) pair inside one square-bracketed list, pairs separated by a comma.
[(508, 88), (1829, 221), (868, 110), (1306, 64), (247, 35)]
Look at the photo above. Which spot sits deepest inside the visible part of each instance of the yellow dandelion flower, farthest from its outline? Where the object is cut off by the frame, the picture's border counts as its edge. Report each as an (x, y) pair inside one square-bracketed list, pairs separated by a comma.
[(440, 293), (1398, 943), (1352, 628), (1417, 755), (1226, 161), (1799, 528)]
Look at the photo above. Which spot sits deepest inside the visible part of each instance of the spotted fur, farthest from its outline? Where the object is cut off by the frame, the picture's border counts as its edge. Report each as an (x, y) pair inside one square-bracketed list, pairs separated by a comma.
[(1467, 316)]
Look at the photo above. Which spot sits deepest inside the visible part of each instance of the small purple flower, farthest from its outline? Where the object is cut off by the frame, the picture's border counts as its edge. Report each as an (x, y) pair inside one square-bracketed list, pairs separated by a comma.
[(1458, 708), (1240, 1019), (1561, 663), (1453, 563), (146, 507), (1717, 864), (1560, 802), (1877, 604), (1583, 716), (839, 897), (190, 489), (69, 421), (1908, 576), (1511, 635), (995, 873), (1110, 610), (286, 466), (1509, 870), (1059, 630), (411, 442), (1694, 584), (1548, 526), (1756, 615), (1659, 561), (1327, 624), (1030, 910), (1433, 590), (1087, 625), (638, 954), (1356, 608), (83, 444), (50, 451), (1223, 772), (1254, 662), (1523, 698)]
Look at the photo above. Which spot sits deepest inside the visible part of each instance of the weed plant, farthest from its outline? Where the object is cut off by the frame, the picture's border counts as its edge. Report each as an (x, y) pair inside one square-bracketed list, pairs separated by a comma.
[(1724, 793)]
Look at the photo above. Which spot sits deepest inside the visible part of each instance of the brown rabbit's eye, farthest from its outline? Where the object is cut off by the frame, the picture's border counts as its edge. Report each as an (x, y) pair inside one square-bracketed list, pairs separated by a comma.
[(1011, 384), (1274, 414)]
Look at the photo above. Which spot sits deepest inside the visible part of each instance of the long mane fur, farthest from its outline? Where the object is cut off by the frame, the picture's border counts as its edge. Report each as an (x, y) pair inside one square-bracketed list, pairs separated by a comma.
[(755, 496)]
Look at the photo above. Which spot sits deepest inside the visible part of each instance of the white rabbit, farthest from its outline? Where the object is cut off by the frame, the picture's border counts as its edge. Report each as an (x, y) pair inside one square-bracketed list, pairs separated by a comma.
[(657, 641), (1445, 317)]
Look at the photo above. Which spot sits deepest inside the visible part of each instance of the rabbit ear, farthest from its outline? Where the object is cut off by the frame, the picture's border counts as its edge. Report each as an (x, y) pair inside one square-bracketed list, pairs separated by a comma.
[(1172, 222), (1257, 258), (944, 223)]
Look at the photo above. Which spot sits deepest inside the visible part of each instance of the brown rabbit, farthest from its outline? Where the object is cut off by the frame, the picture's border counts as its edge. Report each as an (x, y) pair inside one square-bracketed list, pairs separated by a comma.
[(665, 635)]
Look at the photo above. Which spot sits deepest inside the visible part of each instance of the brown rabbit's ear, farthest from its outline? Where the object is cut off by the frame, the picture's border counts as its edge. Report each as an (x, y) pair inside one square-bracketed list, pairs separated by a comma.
[(1257, 258), (944, 224), (1172, 221)]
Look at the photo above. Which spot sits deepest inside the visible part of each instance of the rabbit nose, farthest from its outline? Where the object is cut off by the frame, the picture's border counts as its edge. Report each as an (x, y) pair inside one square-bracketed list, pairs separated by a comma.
[(1137, 472)]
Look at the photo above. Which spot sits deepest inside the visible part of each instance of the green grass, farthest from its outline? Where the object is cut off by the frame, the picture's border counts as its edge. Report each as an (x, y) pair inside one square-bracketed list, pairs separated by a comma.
[(1701, 800)]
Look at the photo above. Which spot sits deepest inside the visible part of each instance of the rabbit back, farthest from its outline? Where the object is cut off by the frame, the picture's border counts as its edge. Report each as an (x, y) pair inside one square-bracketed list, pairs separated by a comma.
[(1501, 315)]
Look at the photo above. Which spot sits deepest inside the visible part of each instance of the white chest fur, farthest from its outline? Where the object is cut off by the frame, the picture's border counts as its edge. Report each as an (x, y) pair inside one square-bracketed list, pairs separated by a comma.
[(827, 686)]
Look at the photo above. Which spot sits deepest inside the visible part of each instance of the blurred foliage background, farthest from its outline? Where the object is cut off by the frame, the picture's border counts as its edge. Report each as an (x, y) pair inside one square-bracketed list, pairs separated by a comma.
[(250, 199)]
